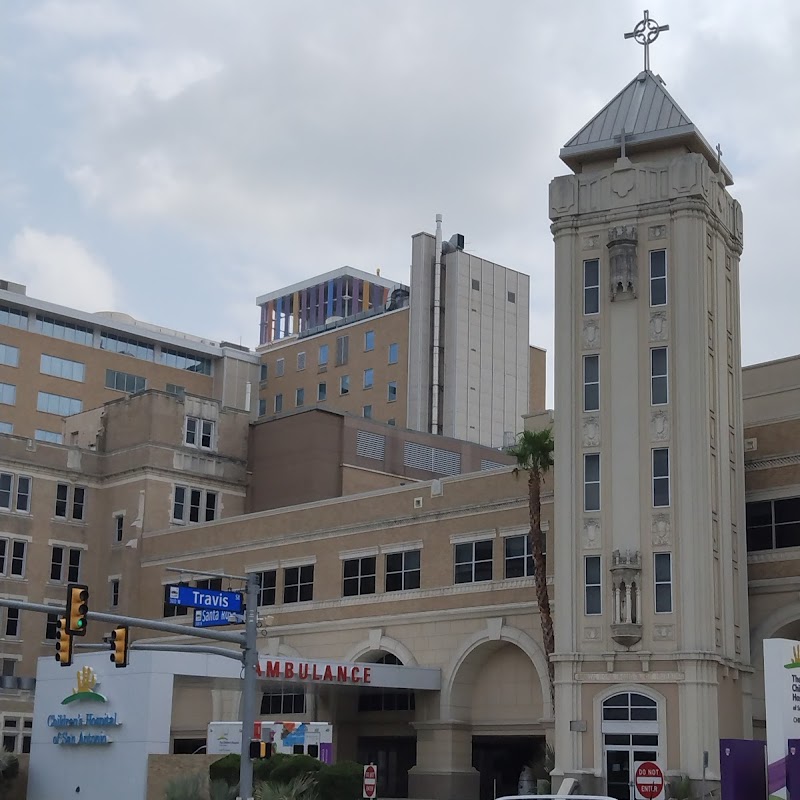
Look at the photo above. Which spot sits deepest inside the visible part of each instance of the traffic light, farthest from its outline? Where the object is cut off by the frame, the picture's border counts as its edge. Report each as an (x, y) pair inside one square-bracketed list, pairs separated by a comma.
[(260, 749), (63, 643), (77, 608), (119, 646)]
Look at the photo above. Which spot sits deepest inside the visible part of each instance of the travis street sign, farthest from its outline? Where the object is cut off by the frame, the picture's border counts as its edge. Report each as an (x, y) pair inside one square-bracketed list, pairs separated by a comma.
[(205, 598)]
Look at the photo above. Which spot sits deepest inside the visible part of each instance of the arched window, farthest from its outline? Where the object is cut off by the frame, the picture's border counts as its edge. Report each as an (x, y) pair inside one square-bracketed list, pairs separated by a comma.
[(630, 707), (386, 699)]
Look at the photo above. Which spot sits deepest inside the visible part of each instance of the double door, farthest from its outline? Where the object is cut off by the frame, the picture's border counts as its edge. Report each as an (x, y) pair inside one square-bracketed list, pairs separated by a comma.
[(619, 769)]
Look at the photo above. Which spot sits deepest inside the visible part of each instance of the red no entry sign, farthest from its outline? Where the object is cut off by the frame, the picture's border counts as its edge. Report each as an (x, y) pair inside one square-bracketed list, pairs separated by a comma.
[(370, 781), (649, 781)]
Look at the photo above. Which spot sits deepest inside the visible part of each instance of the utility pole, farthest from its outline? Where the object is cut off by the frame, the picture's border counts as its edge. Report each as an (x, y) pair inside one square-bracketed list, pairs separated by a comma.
[(249, 660)]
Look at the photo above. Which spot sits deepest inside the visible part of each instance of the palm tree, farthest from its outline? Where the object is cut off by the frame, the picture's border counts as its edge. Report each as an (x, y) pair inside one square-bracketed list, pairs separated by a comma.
[(534, 453)]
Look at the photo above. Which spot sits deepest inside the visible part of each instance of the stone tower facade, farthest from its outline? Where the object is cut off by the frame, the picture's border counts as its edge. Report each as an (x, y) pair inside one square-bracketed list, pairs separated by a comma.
[(650, 594)]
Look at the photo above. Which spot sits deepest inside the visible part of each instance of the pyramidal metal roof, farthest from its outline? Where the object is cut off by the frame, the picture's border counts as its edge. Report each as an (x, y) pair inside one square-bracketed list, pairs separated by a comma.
[(648, 114)]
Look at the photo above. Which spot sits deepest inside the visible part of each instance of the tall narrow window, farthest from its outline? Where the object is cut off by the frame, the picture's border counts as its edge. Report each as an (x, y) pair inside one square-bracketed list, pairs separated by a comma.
[(6, 489), (391, 394), (279, 367), (658, 376), (593, 586), (119, 527), (114, 592), (301, 361), (394, 353), (342, 350), (591, 482), (278, 403), (322, 360), (299, 397), (591, 286), (658, 277), (12, 622), (369, 341), (591, 383), (662, 572), (369, 378), (344, 384), (78, 502), (23, 493), (322, 392), (62, 490), (661, 477)]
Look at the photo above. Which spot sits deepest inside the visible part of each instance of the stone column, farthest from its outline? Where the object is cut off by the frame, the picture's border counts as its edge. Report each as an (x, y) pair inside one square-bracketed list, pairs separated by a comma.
[(444, 762)]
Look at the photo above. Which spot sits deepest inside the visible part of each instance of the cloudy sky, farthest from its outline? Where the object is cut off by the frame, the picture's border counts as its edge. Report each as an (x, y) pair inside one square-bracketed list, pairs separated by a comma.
[(176, 158)]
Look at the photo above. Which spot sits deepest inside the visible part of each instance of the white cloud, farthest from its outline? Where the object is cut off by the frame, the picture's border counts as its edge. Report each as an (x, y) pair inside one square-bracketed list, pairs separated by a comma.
[(60, 269), (86, 19)]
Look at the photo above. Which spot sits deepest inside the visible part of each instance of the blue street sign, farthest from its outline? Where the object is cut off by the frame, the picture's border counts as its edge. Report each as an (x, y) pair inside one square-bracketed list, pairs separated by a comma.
[(205, 598), (214, 617)]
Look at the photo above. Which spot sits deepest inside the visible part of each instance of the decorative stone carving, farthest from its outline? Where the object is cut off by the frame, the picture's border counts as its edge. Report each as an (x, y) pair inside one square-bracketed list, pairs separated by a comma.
[(626, 592), (562, 194), (661, 530), (591, 534), (685, 174), (623, 179), (591, 334), (658, 326), (591, 432), (664, 632), (623, 271), (659, 426), (591, 634), (657, 232), (591, 242)]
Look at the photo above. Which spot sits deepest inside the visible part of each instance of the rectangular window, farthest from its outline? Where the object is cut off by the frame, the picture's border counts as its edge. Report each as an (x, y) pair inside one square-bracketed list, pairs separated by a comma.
[(6, 427), (518, 557), (322, 358), (658, 277), (322, 392), (512, 297), (394, 352), (773, 524), (366, 412), (298, 584), (392, 391), (18, 549), (48, 436), (206, 434), (9, 355), (3, 553), (342, 350), (279, 367), (264, 372), (58, 404), (278, 403), (658, 376), (178, 391), (8, 394), (12, 623), (267, 583), (593, 586), (660, 477), (191, 504), (199, 433), (63, 330), (299, 397), (591, 482), (262, 406), (119, 527), (129, 347), (211, 506), (114, 592), (6, 489), (50, 627), (62, 499), (124, 381), (662, 571), (344, 384), (195, 502), (369, 341), (369, 378), (591, 286), (473, 561), (65, 564), (78, 502), (181, 360), (62, 368), (13, 317), (301, 361), (403, 571), (476, 285), (359, 576), (591, 383), (179, 504), (274, 704), (23, 493)]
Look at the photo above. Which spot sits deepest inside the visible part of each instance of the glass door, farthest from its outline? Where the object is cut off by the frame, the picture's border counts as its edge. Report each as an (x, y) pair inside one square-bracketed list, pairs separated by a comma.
[(618, 774)]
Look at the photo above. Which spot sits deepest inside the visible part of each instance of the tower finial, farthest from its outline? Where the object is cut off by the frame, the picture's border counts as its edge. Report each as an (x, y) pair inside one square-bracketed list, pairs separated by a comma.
[(645, 33)]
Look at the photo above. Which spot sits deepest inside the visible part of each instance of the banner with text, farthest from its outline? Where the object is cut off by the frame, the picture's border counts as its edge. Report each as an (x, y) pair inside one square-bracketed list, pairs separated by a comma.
[(782, 694)]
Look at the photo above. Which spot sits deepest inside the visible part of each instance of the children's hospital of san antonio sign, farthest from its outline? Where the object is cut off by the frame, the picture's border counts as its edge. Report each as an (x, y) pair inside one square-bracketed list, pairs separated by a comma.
[(83, 727)]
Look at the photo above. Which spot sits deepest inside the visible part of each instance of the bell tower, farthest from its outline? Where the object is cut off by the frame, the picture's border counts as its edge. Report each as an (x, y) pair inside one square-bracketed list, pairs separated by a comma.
[(650, 588)]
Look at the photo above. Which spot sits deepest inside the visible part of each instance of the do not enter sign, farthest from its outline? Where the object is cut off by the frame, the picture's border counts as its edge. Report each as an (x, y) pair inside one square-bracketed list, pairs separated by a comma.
[(370, 781), (648, 781)]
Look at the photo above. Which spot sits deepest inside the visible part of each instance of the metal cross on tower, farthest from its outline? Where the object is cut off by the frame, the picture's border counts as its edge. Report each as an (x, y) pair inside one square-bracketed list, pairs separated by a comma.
[(645, 33), (719, 157)]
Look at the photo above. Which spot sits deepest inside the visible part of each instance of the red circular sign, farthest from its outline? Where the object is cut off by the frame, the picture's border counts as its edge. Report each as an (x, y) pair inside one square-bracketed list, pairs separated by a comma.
[(370, 780), (649, 780)]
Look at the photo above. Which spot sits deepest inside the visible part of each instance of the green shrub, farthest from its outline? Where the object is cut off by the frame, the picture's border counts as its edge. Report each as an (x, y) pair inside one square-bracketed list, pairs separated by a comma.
[(341, 781), (225, 769), (263, 769), (293, 767), (187, 787)]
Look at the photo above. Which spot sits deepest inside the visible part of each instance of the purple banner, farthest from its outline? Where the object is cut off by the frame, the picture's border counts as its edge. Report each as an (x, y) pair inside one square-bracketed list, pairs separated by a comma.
[(743, 767)]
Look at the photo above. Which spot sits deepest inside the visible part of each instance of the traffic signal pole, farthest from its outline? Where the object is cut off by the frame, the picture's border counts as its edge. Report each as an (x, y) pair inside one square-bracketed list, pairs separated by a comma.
[(250, 660)]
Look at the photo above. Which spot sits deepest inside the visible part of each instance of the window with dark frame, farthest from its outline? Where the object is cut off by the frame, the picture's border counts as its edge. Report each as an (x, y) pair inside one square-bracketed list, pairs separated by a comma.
[(593, 586), (359, 576), (298, 584), (658, 277), (403, 570), (267, 581), (591, 383), (473, 561), (662, 578), (773, 524), (591, 286), (661, 477)]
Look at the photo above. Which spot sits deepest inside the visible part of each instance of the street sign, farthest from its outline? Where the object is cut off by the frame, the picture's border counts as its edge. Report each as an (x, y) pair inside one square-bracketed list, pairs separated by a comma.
[(214, 617), (370, 782), (648, 781), (205, 598)]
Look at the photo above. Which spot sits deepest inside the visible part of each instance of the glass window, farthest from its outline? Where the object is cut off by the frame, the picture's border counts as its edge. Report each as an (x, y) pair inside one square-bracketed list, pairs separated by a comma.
[(23, 493), (591, 286), (262, 406), (13, 317), (518, 557), (182, 360), (173, 388), (591, 482), (473, 561), (12, 622), (593, 585), (322, 358), (658, 376), (78, 502), (62, 496), (591, 383), (62, 368), (661, 477), (369, 378), (8, 394), (48, 436), (299, 397), (403, 571), (50, 627), (264, 372), (119, 527), (787, 522), (512, 297), (211, 506), (359, 576), (9, 355), (267, 584), (114, 592), (279, 367), (6, 427), (124, 381), (6, 488), (274, 704), (301, 361), (369, 341), (179, 504), (298, 584), (278, 403), (130, 347), (394, 352), (322, 392), (63, 330), (392, 391), (658, 277), (344, 384), (342, 350), (195, 502), (206, 434), (57, 404), (663, 582), (18, 549), (366, 412), (476, 285)]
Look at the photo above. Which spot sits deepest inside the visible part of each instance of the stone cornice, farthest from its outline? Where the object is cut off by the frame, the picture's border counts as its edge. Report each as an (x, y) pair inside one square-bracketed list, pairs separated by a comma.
[(772, 462)]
